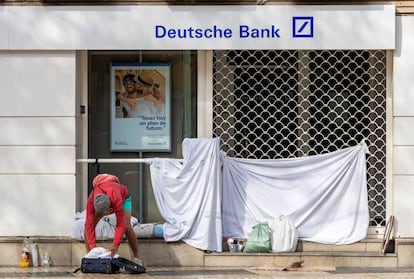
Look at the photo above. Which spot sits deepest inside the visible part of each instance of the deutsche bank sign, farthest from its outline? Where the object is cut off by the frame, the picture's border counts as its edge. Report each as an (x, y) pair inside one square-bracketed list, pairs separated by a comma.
[(199, 27), (302, 27), (283, 27)]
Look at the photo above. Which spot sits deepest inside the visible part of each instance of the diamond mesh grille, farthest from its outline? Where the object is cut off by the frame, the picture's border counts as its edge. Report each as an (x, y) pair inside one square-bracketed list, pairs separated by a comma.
[(288, 103)]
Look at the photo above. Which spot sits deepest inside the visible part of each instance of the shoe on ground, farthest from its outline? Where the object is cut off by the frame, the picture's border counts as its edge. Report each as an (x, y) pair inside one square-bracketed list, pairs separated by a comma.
[(138, 261)]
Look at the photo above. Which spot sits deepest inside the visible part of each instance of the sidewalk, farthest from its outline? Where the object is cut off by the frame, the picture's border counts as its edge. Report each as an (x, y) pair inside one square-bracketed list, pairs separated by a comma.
[(204, 273)]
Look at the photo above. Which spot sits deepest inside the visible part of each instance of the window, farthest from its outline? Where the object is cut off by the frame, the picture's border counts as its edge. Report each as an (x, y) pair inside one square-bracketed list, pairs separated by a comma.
[(183, 118), (270, 104)]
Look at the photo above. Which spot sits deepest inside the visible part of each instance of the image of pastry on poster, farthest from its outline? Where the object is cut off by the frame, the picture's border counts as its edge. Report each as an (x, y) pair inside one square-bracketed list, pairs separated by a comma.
[(140, 107)]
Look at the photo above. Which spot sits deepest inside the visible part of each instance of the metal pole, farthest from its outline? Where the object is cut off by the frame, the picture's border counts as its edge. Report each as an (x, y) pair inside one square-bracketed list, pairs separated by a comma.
[(140, 191), (115, 161)]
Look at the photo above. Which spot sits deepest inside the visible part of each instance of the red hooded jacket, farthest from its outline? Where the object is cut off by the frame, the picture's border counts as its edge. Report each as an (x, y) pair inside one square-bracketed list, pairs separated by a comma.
[(117, 193)]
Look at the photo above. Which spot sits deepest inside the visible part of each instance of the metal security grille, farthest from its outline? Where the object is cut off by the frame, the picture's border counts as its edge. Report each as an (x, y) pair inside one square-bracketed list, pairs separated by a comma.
[(270, 104)]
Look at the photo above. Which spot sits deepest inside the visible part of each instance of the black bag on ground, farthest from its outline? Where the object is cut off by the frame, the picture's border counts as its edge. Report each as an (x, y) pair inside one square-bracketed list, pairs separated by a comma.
[(110, 265), (126, 266), (98, 265)]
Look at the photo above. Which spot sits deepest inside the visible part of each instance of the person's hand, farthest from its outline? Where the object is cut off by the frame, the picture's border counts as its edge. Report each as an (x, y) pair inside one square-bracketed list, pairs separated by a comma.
[(132, 104), (150, 97), (113, 251), (158, 93)]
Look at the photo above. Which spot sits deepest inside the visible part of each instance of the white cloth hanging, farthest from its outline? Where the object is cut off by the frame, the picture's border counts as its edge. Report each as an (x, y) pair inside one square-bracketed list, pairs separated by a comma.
[(188, 195), (325, 195)]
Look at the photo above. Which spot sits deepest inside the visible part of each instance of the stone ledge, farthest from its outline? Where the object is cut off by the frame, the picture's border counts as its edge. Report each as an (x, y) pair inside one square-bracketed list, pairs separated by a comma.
[(37, 239), (299, 254), (61, 239), (404, 241)]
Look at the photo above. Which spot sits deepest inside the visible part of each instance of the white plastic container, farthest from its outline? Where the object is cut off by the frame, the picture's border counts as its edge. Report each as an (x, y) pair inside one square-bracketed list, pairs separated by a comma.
[(35, 255), (231, 244)]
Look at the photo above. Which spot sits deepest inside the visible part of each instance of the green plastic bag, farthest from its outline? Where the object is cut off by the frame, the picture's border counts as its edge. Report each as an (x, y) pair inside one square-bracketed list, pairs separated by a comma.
[(258, 240)]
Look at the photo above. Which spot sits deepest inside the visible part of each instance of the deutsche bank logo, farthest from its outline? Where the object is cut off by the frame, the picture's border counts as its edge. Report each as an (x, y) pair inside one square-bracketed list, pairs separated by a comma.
[(302, 27)]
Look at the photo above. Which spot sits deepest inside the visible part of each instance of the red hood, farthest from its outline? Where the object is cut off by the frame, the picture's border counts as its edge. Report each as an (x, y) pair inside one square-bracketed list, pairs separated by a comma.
[(103, 178)]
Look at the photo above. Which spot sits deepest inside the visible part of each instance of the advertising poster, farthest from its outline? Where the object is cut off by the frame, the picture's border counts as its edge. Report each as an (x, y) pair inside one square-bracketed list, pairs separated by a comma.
[(140, 107)]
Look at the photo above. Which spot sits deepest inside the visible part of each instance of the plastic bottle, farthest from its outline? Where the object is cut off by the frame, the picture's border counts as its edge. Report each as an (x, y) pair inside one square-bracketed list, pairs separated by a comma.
[(46, 260), (25, 256), (35, 255), (230, 243)]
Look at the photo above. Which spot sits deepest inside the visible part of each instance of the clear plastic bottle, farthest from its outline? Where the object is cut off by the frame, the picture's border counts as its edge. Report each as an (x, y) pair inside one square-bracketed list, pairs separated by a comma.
[(46, 260), (25, 256)]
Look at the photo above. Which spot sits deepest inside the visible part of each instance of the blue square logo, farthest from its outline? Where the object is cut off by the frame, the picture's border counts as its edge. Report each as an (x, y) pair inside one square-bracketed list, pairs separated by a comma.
[(302, 27)]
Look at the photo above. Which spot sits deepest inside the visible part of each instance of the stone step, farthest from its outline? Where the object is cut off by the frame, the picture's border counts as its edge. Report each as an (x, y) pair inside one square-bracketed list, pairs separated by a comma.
[(335, 259), (157, 252), (364, 246)]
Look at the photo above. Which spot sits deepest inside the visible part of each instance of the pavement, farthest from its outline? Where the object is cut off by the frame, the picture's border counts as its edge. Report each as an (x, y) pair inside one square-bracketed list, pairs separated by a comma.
[(67, 272)]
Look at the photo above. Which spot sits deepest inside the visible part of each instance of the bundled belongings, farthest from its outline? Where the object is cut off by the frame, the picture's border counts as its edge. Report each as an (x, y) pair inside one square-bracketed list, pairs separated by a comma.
[(105, 228), (259, 239)]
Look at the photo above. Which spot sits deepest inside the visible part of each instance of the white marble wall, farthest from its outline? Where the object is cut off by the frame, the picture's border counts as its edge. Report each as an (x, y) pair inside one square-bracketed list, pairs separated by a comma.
[(402, 190), (37, 142)]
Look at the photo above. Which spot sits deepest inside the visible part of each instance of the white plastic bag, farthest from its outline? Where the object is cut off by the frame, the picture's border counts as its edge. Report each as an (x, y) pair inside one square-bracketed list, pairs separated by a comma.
[(284, 236), (98, 252)]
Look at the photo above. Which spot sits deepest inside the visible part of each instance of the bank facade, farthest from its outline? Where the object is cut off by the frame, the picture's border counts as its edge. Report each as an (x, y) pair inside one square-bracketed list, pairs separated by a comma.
[(270, 79)]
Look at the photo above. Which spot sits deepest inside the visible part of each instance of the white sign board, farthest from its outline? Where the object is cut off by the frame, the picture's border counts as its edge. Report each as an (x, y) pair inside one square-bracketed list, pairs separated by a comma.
[(199, 27)]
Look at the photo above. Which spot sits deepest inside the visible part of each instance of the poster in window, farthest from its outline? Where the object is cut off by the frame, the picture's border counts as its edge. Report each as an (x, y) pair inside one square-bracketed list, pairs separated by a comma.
[(140, 107)]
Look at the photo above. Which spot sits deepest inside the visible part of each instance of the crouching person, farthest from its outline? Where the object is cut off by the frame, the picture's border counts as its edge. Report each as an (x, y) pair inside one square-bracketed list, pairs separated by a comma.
[(110, 196)]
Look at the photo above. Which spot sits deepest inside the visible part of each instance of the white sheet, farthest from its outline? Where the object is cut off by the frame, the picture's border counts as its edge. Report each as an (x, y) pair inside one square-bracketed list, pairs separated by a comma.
[(324, 195), (188, 195)]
